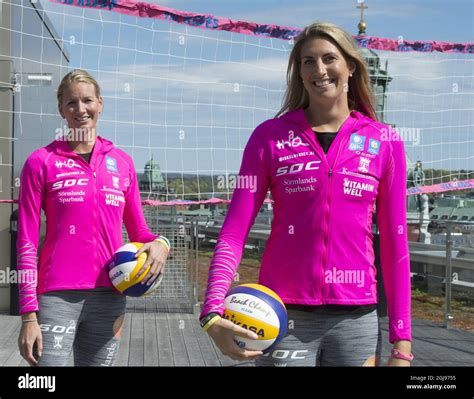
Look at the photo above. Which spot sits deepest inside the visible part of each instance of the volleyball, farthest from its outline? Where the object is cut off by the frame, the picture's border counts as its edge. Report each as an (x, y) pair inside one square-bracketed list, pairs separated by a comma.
[(258, 309), (124, 267)]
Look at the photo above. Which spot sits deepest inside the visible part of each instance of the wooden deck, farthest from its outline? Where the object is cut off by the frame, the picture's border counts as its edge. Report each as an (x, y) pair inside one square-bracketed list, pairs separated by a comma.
[(176, 339)]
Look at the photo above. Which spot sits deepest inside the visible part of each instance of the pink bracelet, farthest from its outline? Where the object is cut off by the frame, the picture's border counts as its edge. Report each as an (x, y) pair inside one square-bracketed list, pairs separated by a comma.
[(396, 354)]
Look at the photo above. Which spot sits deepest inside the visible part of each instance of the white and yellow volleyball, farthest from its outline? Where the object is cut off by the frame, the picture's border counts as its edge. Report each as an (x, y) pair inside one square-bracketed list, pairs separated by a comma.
[(258, 309), (124, 267)]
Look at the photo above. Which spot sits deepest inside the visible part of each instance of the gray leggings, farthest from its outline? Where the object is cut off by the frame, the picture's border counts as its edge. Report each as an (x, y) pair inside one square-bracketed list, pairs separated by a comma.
[(89, 321), (327, 340)]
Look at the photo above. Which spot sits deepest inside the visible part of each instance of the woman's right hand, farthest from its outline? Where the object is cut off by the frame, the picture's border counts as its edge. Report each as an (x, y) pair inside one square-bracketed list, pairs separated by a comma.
[(223, 331), (29, 334)]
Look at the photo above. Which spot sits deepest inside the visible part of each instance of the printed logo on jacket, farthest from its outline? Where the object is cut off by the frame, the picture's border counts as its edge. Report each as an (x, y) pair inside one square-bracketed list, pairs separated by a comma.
[(69, 186)]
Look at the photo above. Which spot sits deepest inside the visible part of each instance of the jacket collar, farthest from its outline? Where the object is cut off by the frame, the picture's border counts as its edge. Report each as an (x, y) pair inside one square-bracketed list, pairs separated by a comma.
[(355, 119)]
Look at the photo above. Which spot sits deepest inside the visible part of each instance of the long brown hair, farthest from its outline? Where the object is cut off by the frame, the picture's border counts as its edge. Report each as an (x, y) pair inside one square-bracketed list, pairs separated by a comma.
[(360, 96)]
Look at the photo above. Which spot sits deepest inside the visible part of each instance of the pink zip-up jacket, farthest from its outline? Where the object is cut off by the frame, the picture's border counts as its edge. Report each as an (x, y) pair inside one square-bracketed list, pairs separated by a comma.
[(320, 247), (84, 205)]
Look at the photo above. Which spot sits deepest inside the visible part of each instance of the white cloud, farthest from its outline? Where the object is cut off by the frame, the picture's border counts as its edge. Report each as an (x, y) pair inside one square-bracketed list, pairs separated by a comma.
[(218, 78)]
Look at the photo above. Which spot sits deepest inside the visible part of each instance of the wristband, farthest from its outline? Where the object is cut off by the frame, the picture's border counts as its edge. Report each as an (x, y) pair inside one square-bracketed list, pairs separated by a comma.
[(207, 318), (28, 320), (164, 241), (160, 237), (209, 324), (396, 354)]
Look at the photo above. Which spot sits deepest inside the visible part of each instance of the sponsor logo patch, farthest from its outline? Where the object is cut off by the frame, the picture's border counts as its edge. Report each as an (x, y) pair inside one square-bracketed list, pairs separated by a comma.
[(357, 142), (293, 141), (355, 188), (67, 164), (374, 146), (111, 164)]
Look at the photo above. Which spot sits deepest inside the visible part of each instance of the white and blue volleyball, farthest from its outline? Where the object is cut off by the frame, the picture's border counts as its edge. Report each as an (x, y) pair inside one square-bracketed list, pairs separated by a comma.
[(258, 309), (124, 267)]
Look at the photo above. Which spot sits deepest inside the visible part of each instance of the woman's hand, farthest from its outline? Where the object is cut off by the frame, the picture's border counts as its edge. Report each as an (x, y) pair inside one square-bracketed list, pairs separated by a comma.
[(156, 257), (29, 334), (223, 331), (403, 347)]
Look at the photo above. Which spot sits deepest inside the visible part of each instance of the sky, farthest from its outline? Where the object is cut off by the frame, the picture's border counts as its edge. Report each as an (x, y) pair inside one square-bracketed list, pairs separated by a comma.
[(191, 97), (414, 19)]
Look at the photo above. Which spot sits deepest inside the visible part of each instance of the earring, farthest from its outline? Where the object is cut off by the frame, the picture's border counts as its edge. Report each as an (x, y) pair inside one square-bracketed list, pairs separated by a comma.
[(350, 75)]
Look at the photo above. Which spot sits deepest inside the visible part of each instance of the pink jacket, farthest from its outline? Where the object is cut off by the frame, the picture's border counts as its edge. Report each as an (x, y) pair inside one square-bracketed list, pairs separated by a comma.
[(84, 205), (320, 246)]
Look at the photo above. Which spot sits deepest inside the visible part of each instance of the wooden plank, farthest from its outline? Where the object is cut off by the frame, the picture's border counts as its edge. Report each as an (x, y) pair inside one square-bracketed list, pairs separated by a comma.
[(180, 355), (225, 360), (191, 341), (13, 360), (124, 349), (438, 352), (23, 363), (150, 306), (165, 351), (386, 345), (442, 351), (178, 340), (8, 324), (433, 345), (139, 306), (136, 356), (150, 340), (11, 325), (208, 351), (70, 361), (10, 341)]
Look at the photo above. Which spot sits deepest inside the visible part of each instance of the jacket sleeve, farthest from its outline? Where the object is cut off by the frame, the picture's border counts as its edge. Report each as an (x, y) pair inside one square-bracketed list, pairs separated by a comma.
[(133, 217), (251, 188), (29, 222), (394, 254)]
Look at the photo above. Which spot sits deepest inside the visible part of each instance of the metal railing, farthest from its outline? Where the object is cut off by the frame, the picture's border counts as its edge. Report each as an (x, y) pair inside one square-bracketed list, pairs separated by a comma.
[(448, 314), (178, 290)]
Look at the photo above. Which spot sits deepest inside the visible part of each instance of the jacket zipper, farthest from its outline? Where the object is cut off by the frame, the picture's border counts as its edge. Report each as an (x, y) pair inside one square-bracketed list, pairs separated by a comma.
[(327, 234)]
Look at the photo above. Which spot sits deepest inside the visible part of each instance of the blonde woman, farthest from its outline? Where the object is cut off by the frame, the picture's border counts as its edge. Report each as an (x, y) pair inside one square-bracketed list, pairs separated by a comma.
[(87, 187), (327, 162)]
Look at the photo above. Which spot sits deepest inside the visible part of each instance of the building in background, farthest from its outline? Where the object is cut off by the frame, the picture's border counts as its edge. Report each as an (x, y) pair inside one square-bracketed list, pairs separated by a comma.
[(152, 181)]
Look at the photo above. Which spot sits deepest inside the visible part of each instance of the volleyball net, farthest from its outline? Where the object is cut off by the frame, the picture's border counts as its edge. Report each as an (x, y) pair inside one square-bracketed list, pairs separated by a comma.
[(183, 91)]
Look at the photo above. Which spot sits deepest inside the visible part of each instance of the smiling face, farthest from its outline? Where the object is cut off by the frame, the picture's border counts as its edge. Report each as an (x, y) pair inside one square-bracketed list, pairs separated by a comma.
[(324, 71), (80, 106)]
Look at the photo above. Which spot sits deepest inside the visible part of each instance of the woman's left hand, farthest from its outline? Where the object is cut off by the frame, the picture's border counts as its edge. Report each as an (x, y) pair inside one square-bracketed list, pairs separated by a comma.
[(156, 257), (403, 347)]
